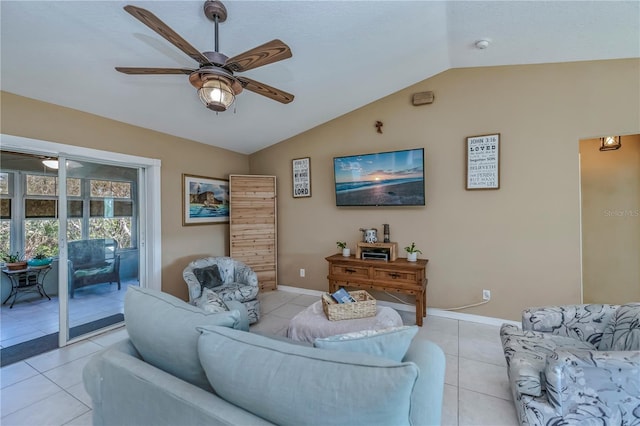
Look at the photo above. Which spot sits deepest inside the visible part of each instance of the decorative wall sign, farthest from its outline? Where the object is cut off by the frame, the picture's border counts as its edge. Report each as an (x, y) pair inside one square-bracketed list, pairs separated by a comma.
[(301, 172), (204, 200), (483, 162)]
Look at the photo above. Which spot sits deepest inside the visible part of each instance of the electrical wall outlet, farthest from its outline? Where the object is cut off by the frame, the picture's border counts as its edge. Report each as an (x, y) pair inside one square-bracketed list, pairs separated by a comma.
[(302, 273), (486, 294)]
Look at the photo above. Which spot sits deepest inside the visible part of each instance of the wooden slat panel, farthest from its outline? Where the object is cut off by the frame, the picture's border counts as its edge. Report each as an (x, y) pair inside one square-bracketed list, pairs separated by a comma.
[(253, 225)]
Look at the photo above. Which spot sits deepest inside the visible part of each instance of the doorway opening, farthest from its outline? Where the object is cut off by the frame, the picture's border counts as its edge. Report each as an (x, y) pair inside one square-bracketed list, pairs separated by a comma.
[(610, 219)]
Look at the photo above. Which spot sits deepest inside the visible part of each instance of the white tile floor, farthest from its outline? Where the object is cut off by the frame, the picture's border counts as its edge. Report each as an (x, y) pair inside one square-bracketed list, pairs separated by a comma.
[(33, 316), (47, 389)]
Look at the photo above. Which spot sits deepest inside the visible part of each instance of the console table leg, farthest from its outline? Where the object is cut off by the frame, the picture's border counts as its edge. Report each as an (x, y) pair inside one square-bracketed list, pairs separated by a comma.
[(424, 304), (419, 309)]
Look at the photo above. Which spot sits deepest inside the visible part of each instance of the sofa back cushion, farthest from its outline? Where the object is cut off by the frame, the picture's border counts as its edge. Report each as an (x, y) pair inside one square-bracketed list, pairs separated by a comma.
[(92, 253), (391, 343), (163, 330), (584, 322), (290, 384), (623, 331)]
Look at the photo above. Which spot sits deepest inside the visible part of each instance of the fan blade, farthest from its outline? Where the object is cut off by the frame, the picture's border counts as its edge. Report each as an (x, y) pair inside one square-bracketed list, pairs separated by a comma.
[(270, 52), (153, 22), (264, 90), (130, 70)]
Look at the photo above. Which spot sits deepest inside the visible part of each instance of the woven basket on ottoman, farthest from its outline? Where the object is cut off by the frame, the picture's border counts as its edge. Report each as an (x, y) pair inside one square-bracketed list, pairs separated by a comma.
[(312, 323), (364, 306)]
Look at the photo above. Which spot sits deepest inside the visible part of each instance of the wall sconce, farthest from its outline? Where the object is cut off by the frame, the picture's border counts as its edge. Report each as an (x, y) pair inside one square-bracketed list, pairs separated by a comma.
[(610, 143)]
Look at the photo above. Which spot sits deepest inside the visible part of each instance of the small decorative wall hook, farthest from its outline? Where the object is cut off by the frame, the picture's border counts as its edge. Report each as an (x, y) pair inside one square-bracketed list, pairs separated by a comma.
[(379, 126)]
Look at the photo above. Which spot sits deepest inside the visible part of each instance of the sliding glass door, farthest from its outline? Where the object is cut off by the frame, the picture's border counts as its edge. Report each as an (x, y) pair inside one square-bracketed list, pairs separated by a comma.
[(103, 240), (96, 216)]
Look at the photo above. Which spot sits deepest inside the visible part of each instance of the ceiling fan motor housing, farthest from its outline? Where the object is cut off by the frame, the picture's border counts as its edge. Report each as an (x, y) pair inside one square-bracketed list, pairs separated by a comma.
[(216, 58)]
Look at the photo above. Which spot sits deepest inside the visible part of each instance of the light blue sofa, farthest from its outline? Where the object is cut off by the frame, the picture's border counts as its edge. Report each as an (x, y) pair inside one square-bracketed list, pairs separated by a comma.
[(575, 365), (184, 366)]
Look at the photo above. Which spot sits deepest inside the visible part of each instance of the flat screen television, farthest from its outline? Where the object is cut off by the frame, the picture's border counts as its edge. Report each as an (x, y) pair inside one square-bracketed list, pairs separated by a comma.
[(393, 178)]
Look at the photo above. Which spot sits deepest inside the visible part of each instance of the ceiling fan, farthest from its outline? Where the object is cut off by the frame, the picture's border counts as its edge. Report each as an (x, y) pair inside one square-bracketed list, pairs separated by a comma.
[(215, 80)]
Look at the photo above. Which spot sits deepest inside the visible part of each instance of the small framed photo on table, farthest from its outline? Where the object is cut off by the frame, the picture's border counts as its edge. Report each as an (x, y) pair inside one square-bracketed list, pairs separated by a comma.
[(483, 162), (301, 173)]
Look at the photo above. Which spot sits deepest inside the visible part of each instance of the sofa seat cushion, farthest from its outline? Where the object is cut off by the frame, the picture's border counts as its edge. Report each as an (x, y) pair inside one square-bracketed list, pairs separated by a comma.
[(526, 354), (277, 380), (237, 291), (163, 330), (389, 343), (623, 331), (104, 269)]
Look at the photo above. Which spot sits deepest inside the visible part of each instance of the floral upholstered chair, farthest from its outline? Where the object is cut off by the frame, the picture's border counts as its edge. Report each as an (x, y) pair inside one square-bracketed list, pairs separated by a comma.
[(225, 277), (575, 365)]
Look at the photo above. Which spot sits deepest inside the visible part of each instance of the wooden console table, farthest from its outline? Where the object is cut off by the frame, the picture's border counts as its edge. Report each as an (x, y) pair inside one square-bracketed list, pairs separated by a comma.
[(399, 276)]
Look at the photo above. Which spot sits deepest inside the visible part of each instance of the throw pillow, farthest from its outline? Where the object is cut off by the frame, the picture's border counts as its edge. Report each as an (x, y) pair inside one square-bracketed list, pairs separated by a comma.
[(163, 330), (210, 301), (389, 343), (623, 331), (209, 276), (290, 384)]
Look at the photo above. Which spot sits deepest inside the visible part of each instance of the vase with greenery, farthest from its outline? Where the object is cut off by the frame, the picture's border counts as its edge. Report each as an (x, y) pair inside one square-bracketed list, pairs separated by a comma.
[(40, 258), (13, 262), (412, 252), (346, 251)]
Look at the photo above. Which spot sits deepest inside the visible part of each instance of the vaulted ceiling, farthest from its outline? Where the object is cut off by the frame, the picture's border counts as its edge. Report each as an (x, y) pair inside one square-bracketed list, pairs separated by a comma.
[(346, 54)]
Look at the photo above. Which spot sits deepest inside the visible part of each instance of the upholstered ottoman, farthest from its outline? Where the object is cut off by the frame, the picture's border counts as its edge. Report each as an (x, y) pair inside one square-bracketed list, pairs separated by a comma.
[(312, 323)]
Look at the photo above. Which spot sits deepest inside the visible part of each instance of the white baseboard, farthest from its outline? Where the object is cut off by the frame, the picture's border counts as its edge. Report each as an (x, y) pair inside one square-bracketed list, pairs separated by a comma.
[(480, 319)]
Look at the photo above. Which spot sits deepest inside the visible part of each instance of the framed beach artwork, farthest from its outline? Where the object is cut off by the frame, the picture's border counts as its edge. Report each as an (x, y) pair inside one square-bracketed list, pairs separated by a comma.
[(205, 200), (382, 179)]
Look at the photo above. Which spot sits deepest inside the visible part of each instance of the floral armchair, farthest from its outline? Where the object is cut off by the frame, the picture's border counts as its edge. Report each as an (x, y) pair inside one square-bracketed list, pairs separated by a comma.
[(575, 364), (230, 279)]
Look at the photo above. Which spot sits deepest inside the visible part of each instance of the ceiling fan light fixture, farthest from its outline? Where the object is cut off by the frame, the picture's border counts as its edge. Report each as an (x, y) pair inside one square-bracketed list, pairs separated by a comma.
[(216, 93), (52, 164)]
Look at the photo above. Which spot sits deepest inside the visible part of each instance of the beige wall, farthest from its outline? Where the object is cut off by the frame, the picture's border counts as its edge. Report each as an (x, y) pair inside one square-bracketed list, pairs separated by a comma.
[(38, 120), (610, 183), (522, 241)]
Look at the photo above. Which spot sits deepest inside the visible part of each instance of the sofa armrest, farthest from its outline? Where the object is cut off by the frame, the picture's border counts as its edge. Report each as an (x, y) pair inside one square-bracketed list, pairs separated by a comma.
[(583, 322), (243, 324), (245, 275), (605, 384), (426, 398), (116, 263), (195, 289)]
